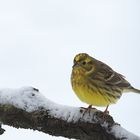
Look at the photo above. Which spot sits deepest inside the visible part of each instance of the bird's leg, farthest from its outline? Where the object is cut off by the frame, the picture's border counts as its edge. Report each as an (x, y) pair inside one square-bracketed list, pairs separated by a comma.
[(89, 108), (105, 112)]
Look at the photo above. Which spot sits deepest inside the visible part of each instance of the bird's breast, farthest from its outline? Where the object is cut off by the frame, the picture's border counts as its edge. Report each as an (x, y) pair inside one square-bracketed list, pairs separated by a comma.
[(87, 91), (78, 77)]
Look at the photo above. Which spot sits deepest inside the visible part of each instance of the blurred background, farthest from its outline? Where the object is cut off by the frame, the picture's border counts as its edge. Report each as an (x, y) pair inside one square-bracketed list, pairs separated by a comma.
[(39, 39)]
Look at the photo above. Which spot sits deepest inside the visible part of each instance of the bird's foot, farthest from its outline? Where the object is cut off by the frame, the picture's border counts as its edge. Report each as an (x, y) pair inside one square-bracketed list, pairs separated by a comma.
[(87, 110)]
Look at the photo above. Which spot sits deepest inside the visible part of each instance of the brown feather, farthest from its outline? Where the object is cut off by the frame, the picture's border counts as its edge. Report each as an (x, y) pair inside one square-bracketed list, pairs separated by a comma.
[(107, 75)]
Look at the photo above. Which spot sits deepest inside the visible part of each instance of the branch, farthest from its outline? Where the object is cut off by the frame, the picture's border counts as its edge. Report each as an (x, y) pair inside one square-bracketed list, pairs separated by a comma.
[(27, 108)]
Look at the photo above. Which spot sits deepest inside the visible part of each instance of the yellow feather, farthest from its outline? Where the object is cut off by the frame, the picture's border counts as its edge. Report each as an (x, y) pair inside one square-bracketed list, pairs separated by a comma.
[(89, 93)]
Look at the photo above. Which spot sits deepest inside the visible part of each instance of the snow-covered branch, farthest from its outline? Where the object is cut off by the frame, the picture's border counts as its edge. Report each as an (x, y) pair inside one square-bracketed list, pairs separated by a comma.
[(28, 108)]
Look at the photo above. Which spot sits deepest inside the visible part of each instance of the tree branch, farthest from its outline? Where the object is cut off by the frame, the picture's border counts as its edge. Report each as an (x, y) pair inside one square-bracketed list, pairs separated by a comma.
[(27, 108)]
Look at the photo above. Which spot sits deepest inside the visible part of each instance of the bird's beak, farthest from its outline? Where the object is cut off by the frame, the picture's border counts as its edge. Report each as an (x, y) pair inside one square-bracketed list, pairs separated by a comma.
[(75, 65)]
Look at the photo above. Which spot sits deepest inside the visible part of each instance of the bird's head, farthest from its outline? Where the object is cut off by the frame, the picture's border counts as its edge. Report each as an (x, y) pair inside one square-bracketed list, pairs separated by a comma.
[(83, 60)]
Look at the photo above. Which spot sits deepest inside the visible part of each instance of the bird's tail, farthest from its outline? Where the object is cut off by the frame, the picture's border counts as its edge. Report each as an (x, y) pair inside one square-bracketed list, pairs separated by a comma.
[(135, 90)]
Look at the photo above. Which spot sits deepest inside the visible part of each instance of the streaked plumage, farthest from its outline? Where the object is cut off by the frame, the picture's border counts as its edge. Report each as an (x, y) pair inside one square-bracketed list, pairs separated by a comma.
[(95, 83)]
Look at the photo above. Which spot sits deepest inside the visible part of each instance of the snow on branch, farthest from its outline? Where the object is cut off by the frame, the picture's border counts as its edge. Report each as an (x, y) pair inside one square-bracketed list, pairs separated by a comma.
[(28, 108)]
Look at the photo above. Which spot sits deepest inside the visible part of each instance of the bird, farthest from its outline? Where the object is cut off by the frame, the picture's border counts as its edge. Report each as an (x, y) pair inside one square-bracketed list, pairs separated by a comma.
[(96, 83)]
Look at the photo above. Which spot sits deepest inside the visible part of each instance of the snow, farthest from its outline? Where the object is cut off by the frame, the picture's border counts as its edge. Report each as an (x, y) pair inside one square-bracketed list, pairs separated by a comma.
[(30, 99), (25, 98), (121, 133)]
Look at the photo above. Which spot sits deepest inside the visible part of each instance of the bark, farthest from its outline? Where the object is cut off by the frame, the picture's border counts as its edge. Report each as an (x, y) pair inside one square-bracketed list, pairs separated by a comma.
[(42, 120)]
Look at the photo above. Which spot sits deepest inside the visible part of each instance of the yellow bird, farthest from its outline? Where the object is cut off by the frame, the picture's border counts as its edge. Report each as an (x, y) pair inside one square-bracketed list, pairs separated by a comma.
[(95, 83)]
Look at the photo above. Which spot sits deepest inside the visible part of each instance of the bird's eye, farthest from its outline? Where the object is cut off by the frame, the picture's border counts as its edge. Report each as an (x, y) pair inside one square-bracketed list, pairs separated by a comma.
[(83, 62)]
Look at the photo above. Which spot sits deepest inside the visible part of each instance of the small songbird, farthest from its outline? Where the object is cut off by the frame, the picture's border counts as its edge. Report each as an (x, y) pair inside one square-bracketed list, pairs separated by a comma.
[(95, 83)]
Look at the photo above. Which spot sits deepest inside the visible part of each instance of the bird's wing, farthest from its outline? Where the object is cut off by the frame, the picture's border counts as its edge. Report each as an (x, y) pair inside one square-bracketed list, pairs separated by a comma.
[(110, 77)]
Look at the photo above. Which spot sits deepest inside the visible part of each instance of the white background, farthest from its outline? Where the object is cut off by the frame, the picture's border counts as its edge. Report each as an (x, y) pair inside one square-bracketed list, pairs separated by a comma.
[(38, 40)]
